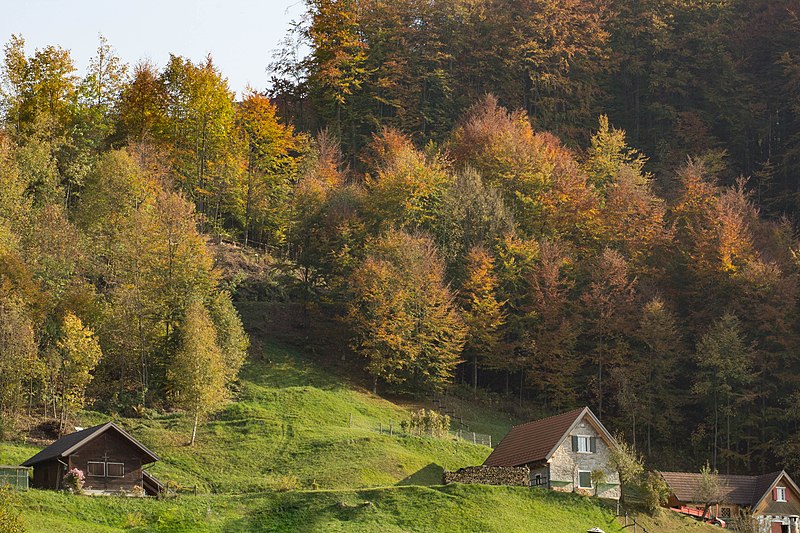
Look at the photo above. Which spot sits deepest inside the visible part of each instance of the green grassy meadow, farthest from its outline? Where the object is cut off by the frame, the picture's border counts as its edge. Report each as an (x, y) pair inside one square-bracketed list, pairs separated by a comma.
[(390, 509), (299, 450)]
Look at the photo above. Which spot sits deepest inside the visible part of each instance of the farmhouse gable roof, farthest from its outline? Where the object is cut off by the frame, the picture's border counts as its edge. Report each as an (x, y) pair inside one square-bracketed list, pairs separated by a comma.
[(535, 442)]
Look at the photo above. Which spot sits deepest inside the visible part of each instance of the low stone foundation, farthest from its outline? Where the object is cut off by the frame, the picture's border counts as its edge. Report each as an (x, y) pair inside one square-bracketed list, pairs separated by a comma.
[(490, 475)]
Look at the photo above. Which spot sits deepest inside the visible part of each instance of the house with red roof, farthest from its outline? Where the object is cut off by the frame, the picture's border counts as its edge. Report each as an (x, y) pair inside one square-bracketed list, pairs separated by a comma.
[(569, 452), (773, 499)]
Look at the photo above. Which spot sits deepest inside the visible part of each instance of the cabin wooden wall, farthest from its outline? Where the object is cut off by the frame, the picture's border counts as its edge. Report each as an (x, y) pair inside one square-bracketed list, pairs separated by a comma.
[(111, 447), (47, 475)]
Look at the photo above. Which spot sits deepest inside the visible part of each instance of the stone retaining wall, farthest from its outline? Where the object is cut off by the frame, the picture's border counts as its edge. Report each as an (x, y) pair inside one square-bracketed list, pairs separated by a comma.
[(490, 475)]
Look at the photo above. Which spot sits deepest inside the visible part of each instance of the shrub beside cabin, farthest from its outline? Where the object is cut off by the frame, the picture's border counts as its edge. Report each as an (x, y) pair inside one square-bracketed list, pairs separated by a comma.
[(110, 458)]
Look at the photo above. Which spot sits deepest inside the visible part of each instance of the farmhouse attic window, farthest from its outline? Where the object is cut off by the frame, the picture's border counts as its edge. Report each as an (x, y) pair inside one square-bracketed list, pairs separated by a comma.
[(115, 469), (96, 469), (584, 479), (779, 494), (584, 444)]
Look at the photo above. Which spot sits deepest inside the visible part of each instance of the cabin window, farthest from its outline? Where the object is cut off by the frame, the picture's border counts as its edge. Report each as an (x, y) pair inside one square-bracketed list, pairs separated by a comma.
[(115, 469), (780, 494), (584, 479), (96, 469), (724, 512)]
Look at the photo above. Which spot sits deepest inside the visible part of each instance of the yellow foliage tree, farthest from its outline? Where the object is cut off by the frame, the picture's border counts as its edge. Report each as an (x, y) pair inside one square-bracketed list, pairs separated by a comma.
[(483, 314), (403, 315), (197, 373), (79, 354)]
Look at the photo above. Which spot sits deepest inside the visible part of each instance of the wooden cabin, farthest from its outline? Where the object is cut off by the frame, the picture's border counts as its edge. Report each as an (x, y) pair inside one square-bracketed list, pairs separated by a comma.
[(110, 458), (772, 499)]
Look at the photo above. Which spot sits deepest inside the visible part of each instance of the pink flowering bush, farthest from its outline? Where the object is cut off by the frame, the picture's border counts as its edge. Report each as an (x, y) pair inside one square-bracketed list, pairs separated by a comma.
[(74, 480)]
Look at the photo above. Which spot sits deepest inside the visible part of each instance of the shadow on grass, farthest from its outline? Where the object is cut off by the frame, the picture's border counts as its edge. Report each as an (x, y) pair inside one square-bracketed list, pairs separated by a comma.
[(427, 476)]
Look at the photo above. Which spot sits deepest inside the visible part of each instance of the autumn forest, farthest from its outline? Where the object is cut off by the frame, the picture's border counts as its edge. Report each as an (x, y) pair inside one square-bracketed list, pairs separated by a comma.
[(544, 204)]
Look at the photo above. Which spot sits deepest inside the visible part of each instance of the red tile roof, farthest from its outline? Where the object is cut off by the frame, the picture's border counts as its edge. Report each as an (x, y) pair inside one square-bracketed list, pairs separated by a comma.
[(533, 442), (739, 490)]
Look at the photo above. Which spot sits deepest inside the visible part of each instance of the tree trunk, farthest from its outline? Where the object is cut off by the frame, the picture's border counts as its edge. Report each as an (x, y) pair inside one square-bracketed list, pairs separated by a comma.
[(194, 429), (716, 428), (475, 375), (600, 390), (728, 438)]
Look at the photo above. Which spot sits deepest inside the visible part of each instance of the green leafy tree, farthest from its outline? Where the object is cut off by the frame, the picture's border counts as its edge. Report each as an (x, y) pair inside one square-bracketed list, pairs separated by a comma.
[(201, 120), (98, 95), (709, 491), (608, 154), (12, 88), (626, 461), (723, 357), (656, 492), (197, 372), (653, 370), (471, 214), (232, 339), (17, 364)]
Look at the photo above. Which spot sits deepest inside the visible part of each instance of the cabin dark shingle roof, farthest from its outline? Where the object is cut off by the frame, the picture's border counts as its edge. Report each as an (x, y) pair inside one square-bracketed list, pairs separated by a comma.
[(533, 442), (66, 444), (739, 490)]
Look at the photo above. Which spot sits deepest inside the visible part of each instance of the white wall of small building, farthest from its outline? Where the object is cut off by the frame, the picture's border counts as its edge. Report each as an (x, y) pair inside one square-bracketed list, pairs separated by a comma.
[(565, 464)]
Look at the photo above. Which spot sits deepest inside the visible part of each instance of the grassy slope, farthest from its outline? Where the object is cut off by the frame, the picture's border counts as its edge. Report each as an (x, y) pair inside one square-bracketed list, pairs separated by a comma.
[(669, 521), (289, 427), (419, 509)]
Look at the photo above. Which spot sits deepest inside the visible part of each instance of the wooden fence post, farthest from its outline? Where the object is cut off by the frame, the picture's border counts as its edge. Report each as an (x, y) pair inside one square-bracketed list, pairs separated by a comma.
[(390, 427), (351, 419)]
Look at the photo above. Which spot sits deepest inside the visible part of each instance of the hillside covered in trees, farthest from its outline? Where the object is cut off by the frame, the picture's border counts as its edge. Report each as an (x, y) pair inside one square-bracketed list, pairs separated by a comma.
[(563, 203)]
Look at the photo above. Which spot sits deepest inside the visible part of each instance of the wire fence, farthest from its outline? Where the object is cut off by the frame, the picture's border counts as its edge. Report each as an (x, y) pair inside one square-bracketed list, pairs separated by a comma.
[(473, 437), (15, 476), (393, 428)]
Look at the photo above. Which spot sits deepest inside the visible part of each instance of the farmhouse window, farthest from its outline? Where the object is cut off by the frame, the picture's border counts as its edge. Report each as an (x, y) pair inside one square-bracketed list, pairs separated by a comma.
[(780, 494), (115, 469), (584, 479), (724, 512), (96, 469), (584, 444)]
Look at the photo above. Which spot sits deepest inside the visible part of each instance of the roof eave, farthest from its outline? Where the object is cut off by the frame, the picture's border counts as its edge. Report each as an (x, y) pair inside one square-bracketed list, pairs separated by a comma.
[(69, 451)]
